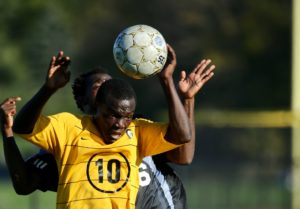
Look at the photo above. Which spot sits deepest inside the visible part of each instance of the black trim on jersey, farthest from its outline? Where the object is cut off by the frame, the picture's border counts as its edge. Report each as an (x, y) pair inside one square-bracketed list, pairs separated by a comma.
[(44, 164)]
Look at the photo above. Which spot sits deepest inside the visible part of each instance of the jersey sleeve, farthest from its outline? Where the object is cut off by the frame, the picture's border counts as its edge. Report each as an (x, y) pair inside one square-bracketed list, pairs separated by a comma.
[(151, 138), (44, 165), (49, 132)]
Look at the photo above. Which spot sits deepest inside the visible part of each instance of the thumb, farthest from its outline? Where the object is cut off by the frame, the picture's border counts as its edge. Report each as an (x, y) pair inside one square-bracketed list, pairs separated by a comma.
[(182, 75)]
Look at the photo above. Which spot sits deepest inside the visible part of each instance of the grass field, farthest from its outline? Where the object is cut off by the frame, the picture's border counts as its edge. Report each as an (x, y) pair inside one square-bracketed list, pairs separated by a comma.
[(203, 191), (10, 200)]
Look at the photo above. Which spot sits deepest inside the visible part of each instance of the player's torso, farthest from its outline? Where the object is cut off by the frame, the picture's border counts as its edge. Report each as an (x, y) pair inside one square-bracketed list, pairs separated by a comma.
[(95, 174)]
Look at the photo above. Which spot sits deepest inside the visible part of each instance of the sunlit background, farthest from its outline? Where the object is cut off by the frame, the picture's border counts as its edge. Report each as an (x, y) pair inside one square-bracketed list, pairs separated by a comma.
[(243, 155)]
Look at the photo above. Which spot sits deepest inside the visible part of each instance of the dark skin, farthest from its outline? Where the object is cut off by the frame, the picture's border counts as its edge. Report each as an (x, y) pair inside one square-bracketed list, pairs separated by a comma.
[(179, 129), (57, 77), (188, 87), (94, 82), (23, 179), (113, 118)]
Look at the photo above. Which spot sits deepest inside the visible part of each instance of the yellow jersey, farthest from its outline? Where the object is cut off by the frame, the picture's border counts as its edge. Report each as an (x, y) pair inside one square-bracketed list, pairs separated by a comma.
[(92, 174)]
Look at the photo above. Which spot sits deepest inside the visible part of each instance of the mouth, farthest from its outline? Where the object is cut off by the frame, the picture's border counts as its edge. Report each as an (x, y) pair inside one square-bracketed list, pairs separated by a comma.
[(114, 136)]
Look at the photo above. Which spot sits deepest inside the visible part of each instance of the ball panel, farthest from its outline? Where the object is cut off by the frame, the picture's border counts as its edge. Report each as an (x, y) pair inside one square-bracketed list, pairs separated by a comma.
[(159, 42), (129, 69), (126, 42), (132, 29), (119, 55), (134, 55), (150, 53), (142, 39)]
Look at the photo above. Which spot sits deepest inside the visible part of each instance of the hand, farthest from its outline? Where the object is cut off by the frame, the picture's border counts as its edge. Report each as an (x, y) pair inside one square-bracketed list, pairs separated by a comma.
[(190, 85), (7, 111), (58, 74), (170, 65)]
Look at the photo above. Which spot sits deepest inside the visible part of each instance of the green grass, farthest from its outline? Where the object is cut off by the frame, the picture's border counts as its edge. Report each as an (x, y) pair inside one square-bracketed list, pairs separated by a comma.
[(37, 200), (214, 191)]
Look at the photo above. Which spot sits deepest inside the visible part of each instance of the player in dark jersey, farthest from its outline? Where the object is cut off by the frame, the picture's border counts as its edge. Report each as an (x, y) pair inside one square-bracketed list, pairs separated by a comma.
[(156, 177), (160, 187)]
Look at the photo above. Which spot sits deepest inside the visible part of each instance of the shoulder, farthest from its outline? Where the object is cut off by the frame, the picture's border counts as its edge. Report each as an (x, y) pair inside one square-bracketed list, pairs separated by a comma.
[(66, 116), (146, 122)]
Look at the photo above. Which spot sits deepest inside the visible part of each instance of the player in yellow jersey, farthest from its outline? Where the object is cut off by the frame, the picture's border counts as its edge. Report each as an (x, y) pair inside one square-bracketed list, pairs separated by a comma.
[(98, 156), (160, 187)]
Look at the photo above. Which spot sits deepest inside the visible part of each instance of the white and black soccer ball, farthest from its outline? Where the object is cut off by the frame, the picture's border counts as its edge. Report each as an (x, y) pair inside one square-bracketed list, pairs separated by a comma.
[(140, 51)]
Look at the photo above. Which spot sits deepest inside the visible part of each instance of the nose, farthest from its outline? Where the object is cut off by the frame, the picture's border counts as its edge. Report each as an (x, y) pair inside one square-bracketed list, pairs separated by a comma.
[(121, 123)]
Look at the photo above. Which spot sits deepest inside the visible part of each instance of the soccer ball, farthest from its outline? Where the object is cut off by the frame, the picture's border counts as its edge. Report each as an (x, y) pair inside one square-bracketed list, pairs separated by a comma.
[(140, 51)]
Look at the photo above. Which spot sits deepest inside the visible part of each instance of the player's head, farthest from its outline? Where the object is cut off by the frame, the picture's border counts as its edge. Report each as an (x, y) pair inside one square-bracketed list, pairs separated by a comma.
[(116, 102), (85, 88)]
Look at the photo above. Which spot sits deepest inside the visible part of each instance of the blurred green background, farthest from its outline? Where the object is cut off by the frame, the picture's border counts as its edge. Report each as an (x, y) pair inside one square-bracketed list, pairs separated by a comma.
[(248, 40)]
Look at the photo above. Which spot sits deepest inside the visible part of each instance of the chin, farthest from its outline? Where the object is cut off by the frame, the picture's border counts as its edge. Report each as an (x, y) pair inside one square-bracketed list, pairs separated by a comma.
[(110, 141)]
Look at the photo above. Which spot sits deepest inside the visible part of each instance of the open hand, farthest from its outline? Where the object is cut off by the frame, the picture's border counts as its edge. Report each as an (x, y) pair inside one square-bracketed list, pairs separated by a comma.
[(190, 84), (58, 74)]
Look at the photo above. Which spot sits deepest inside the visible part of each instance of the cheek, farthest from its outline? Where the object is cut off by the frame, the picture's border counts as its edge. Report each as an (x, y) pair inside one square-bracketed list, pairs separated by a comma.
[(127, 122), (109, 122)]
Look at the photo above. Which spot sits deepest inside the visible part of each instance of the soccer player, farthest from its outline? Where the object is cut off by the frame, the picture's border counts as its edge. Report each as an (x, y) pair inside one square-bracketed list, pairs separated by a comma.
[(98, 156), (40, 170), (160, 187)]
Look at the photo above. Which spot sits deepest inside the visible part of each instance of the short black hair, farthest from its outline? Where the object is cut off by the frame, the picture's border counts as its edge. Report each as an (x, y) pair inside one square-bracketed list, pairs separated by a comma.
[(117, 88), (80, 84)]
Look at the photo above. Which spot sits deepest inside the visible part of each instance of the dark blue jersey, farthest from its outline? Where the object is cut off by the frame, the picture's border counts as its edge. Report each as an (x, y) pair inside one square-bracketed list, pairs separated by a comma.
[(160, 187), (45, 166)]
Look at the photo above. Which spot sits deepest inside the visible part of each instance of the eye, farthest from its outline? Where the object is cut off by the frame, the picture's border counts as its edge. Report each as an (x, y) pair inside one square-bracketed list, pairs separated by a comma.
[(110, 116), (128, 118)]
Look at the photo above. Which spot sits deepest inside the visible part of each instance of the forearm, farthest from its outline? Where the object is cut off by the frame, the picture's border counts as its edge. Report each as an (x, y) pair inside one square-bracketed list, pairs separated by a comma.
[(179, 130), (19, 173), (28, 115), (6, 131), (184, 154)]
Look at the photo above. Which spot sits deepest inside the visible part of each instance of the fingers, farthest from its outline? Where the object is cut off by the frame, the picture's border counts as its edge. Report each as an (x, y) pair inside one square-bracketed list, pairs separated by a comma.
[(171, 54), (52, 62), (207, 77), (208, 71), (8, 107), (201, 70), (11, 100), (203, 73), (182, 75), (201, 66), (62, 60), (15, 99)]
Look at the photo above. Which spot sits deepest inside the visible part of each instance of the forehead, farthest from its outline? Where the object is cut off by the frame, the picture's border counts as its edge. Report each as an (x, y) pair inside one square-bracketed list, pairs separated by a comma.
[(98, 77), (120, 105)]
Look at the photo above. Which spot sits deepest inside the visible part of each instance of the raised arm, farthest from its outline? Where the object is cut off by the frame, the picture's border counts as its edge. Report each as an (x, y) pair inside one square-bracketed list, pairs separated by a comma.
[(188, 87), (179, 129), (57, 77), (24, 181)]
